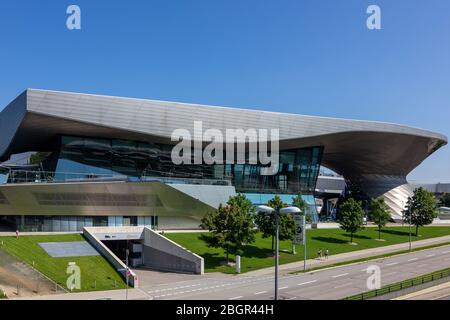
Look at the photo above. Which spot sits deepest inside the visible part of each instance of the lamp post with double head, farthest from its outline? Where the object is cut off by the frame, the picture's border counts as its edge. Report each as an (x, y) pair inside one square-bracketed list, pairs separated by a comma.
[(276, 213)]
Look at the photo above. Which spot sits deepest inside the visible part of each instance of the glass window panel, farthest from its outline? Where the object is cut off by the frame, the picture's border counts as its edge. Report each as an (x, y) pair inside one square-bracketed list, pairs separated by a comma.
[(64, 224)]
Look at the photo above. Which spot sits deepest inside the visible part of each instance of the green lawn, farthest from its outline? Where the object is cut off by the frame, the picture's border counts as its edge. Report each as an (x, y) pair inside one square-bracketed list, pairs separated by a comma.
[(258, 254), (95, 269)]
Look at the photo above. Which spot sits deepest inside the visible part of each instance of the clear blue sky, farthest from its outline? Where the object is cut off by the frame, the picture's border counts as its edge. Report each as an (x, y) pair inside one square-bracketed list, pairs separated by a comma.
[(308, 57)]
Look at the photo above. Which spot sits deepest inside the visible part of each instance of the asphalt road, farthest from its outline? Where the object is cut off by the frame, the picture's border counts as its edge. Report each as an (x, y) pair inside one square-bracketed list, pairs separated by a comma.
[(333, 283)]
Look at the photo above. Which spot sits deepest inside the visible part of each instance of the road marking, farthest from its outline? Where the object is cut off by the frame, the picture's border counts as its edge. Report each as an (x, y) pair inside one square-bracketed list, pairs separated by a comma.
[(175, 288), (340, 275), (430, 255), (392, 264), (413, 259), (300, 284), (282, 288), (444, 252), (234, 298), (291, 298), (261, 292), (364, 270), (343, 285)]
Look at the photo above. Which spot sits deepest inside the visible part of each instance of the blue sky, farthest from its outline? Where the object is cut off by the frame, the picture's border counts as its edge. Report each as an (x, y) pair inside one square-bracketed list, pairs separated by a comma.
[(308, 57)]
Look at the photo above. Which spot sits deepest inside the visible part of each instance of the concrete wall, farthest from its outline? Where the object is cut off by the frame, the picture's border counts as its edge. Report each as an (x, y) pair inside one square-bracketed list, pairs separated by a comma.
[(178, 223), (163, 254), (89, 233), (159, 252)]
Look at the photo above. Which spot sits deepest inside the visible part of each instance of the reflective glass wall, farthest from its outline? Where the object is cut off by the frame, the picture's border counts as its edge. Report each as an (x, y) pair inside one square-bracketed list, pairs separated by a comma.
[(76, 223), (88, 157)]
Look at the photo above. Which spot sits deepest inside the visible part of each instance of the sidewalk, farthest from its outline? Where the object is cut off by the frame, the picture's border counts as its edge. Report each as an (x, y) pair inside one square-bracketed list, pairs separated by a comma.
[(13, 234), (348, 256), (133, 294)]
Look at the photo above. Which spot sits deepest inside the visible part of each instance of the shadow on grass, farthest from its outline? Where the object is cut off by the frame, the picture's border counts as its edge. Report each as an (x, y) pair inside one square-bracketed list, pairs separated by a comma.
[(396, 232), (358, 236), (330, 240), (255, 252), (214, 260)]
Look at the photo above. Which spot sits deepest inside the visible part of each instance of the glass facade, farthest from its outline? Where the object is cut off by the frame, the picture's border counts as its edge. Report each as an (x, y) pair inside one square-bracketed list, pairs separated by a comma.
[(81, 158), (3, 175), (88, 157), (76, 223)]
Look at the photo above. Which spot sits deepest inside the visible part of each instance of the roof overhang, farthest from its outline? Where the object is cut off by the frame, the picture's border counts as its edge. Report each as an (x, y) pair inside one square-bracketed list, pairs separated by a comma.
[(351, 147)]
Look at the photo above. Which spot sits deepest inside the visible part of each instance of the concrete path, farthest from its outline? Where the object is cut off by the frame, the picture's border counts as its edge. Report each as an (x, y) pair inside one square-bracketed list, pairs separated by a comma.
[(13, 234), (133, 294), (349, 256), (439, 292)]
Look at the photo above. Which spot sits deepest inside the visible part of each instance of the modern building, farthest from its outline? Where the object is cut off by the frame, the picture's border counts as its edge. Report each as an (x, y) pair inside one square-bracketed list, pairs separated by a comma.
[(106, 161)]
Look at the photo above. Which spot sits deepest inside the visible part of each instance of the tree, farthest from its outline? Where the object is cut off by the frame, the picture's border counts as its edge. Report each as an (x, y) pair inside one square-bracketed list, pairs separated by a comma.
[(379, 212), (351, 216), (39, 157), (445, 200), (267, 225), (420, 208), (231, 226), (298, 202)]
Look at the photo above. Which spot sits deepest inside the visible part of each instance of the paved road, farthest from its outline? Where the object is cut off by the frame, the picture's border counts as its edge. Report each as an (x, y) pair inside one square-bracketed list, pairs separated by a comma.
[(351, 256), (333, 283)]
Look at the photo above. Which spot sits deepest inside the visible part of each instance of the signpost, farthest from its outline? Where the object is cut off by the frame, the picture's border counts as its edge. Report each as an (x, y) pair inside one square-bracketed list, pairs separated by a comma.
[(300, 235), (299, 225), (238, 264)]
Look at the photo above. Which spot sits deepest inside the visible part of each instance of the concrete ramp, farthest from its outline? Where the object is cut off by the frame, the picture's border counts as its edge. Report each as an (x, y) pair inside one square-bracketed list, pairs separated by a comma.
[(161, 253), (157, 252)]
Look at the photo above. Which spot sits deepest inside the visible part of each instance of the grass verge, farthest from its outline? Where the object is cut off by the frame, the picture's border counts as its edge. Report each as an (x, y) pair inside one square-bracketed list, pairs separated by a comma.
[(396, 253), (96, 272), (259, 254)]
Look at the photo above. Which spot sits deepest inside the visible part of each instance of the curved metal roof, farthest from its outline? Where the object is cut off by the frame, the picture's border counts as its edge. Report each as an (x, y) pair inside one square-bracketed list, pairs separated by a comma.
[(352, 147)]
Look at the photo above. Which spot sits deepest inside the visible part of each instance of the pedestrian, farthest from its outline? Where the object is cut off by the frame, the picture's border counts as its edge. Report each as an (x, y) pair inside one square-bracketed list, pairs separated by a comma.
[(17, 234), (319, 254), (326, 254)]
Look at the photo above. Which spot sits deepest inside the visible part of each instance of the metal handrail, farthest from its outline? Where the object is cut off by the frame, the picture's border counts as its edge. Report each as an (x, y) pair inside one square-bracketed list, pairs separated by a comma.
[(28, 176)]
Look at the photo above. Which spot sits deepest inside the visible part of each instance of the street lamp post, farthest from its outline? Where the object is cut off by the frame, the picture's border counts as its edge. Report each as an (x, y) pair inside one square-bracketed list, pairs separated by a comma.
[(269, 210), (403, 213), (127, 271), (304, 242), (410, 244)]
